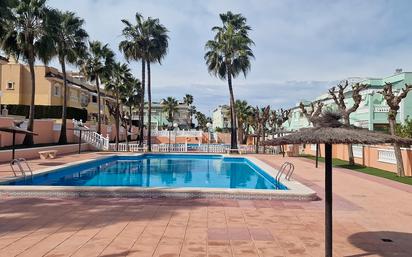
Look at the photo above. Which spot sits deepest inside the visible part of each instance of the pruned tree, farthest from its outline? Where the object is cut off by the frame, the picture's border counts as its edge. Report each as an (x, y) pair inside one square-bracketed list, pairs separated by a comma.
[(393, 100), (260, 117), (314, 112), (311, 116), (282, 117), (272, 121), (338, 96)]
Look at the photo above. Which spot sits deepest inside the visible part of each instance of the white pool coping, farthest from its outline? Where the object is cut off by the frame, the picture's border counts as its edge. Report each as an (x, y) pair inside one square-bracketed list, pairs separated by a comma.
[(295, 191)]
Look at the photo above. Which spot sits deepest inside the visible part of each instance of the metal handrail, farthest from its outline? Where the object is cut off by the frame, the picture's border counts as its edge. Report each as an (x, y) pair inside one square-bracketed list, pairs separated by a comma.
[(282, 171), (21, 169)]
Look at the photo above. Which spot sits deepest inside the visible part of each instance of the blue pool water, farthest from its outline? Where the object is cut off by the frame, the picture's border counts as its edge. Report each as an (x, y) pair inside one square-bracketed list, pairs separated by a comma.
[(161, 170)]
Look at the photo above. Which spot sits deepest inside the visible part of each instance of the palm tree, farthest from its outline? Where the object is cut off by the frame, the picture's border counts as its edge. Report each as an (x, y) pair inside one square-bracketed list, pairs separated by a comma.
[(146, 41), (6, 13), (23, 33), (228, 55), (192, 111), (158, 45), (114, 81), (69, 41), (243, 111), (202, 121), (170, 107), (188, 99), (134, 47), (96, 65)]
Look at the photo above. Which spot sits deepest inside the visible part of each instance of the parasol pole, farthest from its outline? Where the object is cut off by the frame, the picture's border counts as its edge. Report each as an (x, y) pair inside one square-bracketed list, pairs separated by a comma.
[(328, 200), (14, 143), (80, 141)]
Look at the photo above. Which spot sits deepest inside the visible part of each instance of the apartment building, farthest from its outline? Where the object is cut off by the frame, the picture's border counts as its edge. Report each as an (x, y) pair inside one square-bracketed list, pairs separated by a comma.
[(373, 110), (15, 82), (221, 117), (159, 116)]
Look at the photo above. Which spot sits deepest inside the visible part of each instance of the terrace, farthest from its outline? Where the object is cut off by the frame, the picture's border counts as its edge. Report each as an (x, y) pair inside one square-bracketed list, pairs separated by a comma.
[(371, 218)]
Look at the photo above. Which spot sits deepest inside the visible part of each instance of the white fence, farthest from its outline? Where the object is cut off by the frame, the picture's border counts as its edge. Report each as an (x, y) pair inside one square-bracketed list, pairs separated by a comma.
[(357, 151), (313, 147), (181, 148), (178, 133), (386, 155)]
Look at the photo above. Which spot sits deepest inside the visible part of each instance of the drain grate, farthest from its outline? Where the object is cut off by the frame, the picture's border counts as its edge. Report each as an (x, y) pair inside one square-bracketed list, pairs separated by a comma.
[(387, 240)]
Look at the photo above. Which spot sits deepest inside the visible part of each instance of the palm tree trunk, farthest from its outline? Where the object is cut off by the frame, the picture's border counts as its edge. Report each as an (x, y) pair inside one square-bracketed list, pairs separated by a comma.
[(141, 138), (398, 154), (233, 136), (263, 139), (130, 122), (99, 118), (257, 143), (63, 134), (246, 133), (240, 132), (127, 139), (149, 110), (28, 140), (117, 119)]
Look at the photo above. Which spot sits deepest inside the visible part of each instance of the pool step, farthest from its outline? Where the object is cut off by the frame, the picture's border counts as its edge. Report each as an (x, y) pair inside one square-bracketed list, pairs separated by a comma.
[(18, 162)]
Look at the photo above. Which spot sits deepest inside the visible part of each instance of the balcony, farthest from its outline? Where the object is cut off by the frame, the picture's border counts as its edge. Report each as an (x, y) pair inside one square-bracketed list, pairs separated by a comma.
[(380, 108)]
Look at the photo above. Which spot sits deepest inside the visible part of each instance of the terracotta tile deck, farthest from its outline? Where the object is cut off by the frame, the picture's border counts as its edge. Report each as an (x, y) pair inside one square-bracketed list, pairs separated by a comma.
[(366, 211)]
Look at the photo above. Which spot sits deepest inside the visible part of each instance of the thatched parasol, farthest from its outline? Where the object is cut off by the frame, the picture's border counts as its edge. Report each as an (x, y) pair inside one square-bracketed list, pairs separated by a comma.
[(329, 130), (15, 129)]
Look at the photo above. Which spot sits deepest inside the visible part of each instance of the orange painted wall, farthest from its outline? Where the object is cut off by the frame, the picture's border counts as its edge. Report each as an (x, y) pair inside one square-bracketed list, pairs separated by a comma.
[(46, 134), (32, 153)]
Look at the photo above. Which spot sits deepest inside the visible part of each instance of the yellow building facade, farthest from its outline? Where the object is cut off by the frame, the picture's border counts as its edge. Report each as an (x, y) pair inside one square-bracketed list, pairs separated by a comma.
[(15, 82)]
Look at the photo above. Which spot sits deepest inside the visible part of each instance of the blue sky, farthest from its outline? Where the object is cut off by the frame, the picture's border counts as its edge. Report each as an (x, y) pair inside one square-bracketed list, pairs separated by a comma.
[(302, 47)]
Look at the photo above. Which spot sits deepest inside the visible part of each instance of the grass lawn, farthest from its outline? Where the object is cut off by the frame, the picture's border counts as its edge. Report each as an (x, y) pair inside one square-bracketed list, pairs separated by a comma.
[(368, 170)]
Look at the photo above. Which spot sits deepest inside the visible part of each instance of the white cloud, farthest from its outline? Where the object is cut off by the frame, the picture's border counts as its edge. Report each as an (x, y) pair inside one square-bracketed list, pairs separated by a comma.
[(298, 43)]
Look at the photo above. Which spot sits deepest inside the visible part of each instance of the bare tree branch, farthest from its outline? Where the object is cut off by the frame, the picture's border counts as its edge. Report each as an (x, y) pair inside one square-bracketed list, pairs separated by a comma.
[(357, 98)]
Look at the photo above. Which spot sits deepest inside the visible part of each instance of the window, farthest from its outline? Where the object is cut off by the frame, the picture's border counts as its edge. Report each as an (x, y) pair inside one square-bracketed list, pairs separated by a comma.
[(74, 95), (94, 99), (56, 90), (10, 85)]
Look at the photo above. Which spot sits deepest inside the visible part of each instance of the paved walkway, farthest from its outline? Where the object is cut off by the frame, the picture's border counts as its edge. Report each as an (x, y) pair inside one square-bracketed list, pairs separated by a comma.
[(371, 218)]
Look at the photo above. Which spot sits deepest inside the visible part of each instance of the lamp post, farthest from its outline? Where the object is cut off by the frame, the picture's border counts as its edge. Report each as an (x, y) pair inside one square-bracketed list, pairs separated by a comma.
[(126, 117), (208, 125), (175, 125), (169, 127)]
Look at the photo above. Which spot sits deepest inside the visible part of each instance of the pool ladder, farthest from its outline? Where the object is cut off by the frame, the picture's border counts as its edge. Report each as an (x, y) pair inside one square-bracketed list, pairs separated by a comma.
[(18, 162), (286, 169)]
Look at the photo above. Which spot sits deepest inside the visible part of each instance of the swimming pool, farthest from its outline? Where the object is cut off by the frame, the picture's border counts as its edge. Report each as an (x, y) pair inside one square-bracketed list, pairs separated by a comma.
[(159, 175), (161, 170)]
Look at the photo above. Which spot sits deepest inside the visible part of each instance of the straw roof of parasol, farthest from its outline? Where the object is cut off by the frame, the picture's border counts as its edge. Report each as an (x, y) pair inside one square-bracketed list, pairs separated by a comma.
[(329, 130), (17, 130)]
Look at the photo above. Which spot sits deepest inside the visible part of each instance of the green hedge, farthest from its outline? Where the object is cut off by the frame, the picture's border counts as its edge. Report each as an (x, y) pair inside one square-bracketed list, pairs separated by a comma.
[(47, 112)]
